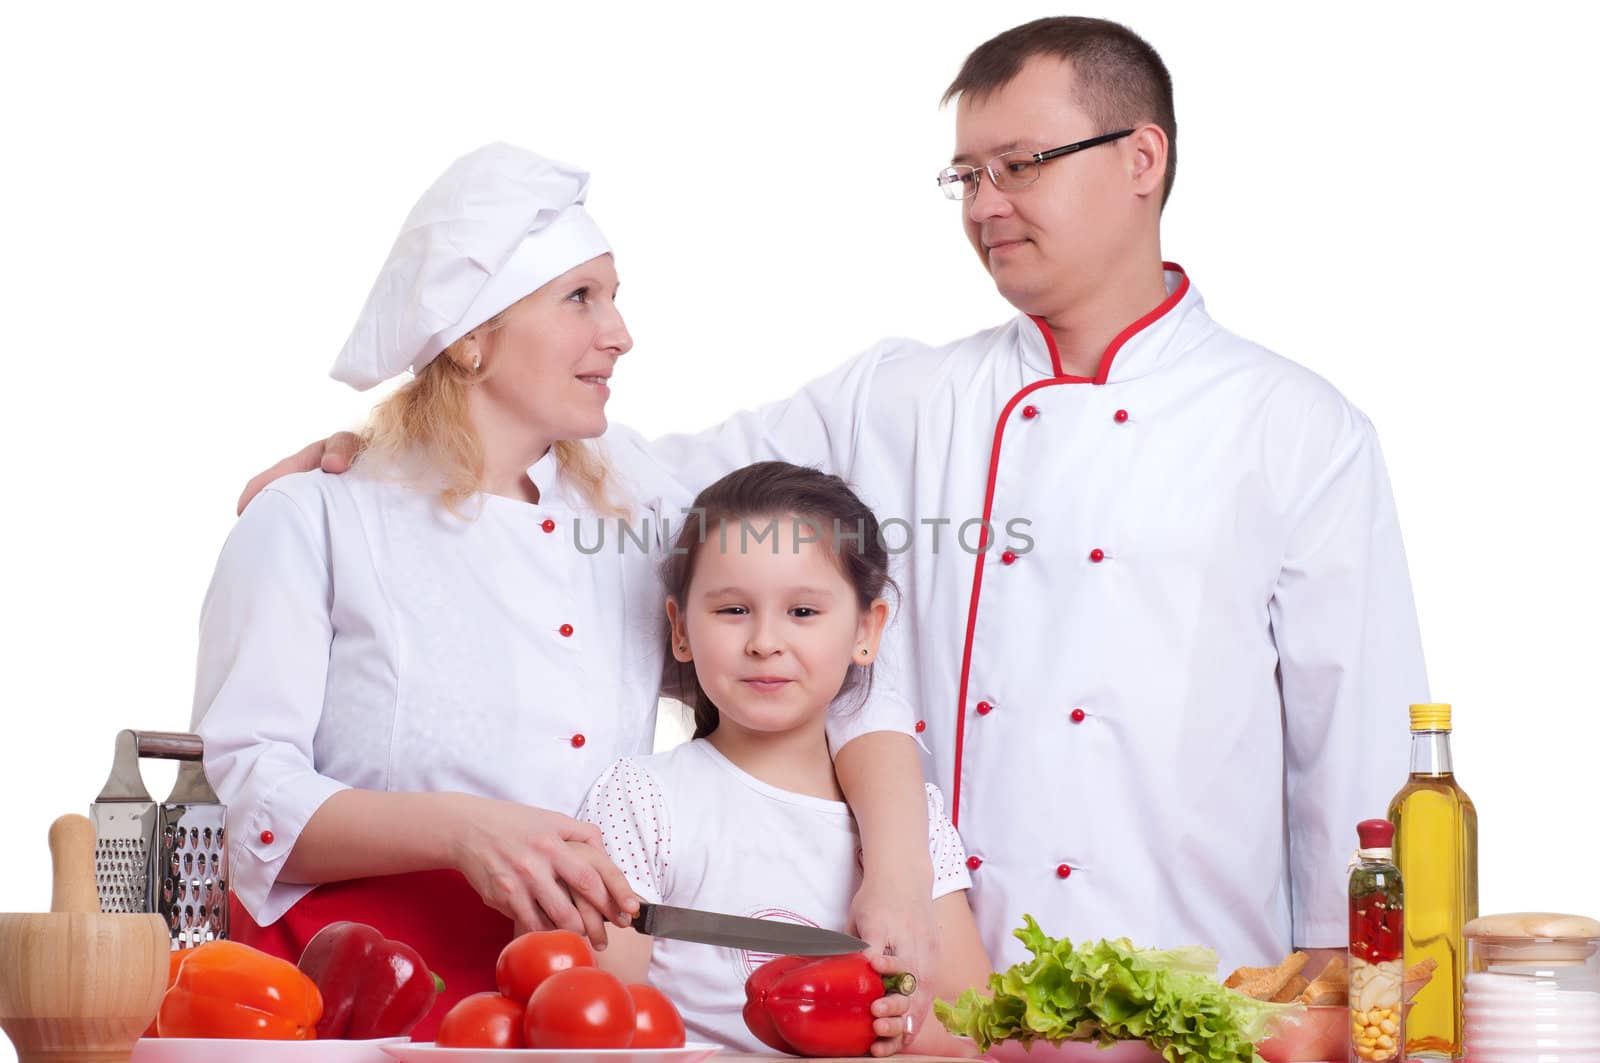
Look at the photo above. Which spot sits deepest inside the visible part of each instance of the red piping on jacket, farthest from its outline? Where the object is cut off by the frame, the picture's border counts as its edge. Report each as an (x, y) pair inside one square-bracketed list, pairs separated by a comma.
[(1100, 377)]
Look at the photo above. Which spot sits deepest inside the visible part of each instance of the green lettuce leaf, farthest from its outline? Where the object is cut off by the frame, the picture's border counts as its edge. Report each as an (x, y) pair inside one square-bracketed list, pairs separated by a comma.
[(1109, 991)]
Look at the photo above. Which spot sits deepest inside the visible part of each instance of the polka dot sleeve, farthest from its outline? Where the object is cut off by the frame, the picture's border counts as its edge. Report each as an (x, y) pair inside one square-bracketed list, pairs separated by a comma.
[(944, 846), (627, 805)]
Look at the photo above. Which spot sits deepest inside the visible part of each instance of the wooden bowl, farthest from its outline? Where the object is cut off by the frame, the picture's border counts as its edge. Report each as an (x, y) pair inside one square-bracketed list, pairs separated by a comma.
[(80, 987)]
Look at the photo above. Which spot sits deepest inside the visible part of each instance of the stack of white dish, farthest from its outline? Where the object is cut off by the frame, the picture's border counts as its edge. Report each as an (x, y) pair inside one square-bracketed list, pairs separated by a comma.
[(1531, 1017), (1533, 989)]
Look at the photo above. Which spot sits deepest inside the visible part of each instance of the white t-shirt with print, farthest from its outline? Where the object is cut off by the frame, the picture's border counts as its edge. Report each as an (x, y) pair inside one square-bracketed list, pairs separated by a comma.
[(689, 828)]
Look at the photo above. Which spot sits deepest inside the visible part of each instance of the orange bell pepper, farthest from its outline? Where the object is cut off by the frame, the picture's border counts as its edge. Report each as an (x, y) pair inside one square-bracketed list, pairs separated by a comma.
[(225, 989), (173, 961)]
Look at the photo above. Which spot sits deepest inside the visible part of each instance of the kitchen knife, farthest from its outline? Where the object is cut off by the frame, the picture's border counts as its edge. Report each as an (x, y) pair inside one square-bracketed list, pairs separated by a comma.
[(739, 932)]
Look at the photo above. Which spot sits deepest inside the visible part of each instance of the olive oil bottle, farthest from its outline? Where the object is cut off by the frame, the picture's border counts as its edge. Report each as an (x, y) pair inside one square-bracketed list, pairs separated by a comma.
[(1436, 848)]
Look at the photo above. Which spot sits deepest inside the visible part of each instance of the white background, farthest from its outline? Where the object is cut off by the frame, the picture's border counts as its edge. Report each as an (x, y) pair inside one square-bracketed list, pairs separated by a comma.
[(198, 198)]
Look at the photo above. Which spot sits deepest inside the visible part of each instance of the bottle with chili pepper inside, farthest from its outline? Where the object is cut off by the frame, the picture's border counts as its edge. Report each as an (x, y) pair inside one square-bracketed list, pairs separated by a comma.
[(1377, 945)]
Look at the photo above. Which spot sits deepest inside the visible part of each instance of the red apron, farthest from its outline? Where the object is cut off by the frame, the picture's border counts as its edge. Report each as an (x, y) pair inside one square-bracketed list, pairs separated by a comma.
[(435, 912)]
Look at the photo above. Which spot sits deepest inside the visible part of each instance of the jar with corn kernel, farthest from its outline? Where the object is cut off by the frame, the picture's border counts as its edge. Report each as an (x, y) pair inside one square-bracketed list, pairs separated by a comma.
[(1377, 946)]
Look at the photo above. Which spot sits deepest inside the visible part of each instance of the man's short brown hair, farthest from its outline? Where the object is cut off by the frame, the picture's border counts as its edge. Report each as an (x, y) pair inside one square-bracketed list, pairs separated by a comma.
[(1121, 80)]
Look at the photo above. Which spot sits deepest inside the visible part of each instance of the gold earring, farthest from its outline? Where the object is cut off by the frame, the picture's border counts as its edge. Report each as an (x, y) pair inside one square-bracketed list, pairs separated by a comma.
[(863, 651)]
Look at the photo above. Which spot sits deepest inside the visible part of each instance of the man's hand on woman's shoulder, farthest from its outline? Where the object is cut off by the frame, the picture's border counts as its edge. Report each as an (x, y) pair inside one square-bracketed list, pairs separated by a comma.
[(333, 454)]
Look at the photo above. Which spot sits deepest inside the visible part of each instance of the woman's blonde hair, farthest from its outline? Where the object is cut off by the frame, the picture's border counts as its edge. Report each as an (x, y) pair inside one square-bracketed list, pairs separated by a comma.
[(428, 418)]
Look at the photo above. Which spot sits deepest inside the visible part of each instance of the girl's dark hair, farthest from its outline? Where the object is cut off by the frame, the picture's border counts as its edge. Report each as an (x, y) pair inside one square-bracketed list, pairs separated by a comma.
[(770, 492)]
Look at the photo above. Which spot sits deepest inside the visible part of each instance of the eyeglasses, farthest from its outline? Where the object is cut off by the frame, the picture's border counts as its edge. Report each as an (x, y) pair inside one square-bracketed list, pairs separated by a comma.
[(1012, 170)]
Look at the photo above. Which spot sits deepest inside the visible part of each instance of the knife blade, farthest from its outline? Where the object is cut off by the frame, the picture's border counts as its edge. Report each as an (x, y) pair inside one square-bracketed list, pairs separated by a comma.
[(741, 932)]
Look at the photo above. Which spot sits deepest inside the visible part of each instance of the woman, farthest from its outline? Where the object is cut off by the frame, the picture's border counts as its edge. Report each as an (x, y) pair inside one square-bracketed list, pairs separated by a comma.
[(410, 675)]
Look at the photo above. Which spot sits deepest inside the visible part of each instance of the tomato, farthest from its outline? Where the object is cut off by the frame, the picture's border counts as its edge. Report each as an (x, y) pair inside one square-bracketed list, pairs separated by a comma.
[(537, 955), (483, 1020), (657, 1023), (583, 1007)]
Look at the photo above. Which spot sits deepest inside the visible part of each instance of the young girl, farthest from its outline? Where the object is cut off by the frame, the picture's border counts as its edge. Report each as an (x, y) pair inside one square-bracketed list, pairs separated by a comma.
[(776, 600)]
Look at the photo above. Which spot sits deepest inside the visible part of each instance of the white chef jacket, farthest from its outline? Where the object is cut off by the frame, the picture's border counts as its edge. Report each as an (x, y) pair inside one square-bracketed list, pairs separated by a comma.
[(1162, 705), (691, 828), (355, 634)]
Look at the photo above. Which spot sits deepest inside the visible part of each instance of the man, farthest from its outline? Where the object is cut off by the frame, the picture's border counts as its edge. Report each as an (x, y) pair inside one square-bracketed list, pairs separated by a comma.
[(1155, 607)]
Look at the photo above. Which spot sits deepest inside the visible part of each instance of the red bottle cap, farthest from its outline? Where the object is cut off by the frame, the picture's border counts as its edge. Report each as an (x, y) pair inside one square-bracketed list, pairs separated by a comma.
[(1375, 834)]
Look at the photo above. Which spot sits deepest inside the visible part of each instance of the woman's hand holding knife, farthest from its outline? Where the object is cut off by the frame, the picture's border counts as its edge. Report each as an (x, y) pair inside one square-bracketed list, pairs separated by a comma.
[(543, 870)]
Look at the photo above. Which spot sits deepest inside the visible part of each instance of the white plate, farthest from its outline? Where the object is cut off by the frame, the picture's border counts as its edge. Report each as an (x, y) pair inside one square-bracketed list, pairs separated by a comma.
[(421, 1052), (217, 1049), (1073, 1052)]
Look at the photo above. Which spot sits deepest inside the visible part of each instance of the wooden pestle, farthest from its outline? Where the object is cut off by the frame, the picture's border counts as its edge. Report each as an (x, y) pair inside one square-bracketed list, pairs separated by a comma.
[(76, 985), (72, 888)]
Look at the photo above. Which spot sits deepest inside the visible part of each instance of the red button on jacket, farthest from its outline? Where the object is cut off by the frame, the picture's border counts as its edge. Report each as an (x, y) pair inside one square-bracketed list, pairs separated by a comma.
[(1097, 555), (566, 631), (1063, 871), (1008, 558), (548, 525), (1078, 715), (1030, 412), (984, 708), (1121, 416), (973, 863), (922, 725), (267, 837), (578, 741)]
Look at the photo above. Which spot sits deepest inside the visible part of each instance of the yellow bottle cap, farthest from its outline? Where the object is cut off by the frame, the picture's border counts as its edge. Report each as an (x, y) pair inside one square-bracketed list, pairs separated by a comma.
[(1430, 717)]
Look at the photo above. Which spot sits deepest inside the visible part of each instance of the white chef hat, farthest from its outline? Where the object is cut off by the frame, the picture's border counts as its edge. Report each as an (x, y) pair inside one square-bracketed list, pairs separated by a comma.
[(496, 225)]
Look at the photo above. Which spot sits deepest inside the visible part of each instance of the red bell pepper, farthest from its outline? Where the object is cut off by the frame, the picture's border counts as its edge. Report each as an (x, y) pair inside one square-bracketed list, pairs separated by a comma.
[(818, 1006), (371, 986), (756, 988)]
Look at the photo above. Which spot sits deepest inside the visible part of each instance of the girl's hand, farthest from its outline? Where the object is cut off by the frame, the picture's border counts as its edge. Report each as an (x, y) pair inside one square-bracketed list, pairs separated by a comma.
[(897, 921), (899, 1031), (881, 775), (541, 869), (892, 1013)]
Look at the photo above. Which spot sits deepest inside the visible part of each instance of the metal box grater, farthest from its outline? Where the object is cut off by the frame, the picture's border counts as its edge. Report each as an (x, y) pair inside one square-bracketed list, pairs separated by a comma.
[(170, 858)]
